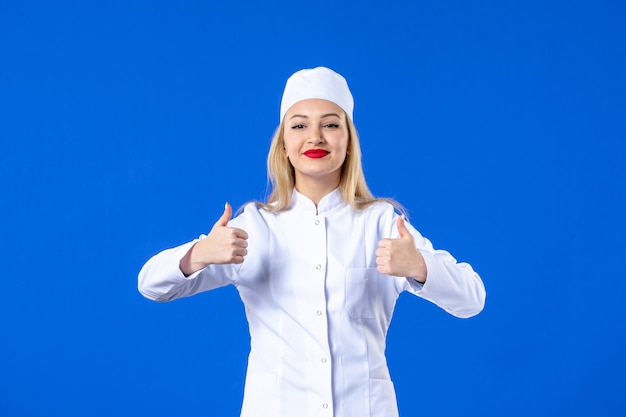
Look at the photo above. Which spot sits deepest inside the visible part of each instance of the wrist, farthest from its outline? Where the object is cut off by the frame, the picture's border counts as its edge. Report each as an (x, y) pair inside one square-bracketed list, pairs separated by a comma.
[(187, 265), (420, 272)]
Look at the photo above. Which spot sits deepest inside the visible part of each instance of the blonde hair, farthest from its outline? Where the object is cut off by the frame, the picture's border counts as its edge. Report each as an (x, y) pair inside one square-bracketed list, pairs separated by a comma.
[(352, 183)]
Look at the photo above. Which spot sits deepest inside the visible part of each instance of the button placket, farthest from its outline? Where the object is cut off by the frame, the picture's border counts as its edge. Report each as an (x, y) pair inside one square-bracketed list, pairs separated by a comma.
[(317, 222), (319, 358)]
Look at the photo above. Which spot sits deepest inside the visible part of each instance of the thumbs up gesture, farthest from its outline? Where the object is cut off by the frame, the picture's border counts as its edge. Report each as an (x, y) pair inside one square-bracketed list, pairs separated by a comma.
[(400, 257), (223, 245)]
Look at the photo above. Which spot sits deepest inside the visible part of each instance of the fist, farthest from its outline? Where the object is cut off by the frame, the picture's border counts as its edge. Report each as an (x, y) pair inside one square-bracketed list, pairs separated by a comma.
[(223, 245), (400, 257)]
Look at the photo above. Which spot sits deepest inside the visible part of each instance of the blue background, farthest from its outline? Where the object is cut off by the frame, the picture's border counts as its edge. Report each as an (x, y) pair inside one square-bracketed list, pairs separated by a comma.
[(126, 125)]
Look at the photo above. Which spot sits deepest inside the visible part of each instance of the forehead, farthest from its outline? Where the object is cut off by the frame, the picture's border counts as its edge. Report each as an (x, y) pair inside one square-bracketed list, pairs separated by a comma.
[(314, 107)]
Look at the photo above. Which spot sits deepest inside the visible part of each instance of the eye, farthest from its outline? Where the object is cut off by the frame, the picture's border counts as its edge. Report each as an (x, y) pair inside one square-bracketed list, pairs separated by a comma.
[(331, 125), (297, 127)]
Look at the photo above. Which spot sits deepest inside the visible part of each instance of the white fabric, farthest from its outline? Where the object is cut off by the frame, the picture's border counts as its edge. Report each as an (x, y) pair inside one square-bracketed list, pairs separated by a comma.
[(317, 308), (320, 82)]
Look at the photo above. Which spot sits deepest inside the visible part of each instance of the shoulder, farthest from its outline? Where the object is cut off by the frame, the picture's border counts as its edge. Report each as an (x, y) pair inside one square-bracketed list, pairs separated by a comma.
[(252, 208), (250, 215), (382, 208), (379, 215)]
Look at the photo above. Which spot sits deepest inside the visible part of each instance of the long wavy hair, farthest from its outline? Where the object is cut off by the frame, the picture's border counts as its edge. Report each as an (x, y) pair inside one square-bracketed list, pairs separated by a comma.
[(352, 185)]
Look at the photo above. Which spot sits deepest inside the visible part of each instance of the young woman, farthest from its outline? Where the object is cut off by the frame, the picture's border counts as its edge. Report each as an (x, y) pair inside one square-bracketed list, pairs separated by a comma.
[(319, 267)]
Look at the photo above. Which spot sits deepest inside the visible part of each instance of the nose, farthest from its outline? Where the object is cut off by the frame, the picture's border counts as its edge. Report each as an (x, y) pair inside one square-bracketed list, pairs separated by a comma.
[(315, 135)]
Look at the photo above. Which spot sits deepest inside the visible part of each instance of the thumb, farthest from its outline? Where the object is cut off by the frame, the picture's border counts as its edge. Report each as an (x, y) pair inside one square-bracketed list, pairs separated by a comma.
[(223, 221), (402, 229)]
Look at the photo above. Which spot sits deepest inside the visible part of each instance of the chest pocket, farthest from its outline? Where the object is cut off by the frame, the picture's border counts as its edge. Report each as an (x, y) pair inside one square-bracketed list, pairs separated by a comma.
[(362, 292)]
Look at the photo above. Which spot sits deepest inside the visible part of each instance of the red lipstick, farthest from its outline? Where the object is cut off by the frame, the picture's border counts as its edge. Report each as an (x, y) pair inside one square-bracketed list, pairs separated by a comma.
[(316, 153)]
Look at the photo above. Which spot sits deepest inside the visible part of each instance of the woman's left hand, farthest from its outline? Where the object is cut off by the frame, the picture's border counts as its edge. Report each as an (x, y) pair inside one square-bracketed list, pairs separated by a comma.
[(400, 257)]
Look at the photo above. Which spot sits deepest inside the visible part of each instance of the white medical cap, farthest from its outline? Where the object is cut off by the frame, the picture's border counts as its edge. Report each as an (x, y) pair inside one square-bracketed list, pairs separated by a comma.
[(320, 82)]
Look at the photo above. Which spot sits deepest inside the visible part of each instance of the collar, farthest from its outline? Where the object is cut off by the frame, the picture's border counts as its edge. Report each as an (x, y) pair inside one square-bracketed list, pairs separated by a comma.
[(328, 203)]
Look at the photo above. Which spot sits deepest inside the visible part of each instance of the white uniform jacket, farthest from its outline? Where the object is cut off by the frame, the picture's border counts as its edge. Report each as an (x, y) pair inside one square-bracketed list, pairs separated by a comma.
[(317, 308)]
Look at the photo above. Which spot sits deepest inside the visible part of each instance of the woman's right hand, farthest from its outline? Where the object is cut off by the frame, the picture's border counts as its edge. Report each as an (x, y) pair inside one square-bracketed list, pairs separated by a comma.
[(223, 245)]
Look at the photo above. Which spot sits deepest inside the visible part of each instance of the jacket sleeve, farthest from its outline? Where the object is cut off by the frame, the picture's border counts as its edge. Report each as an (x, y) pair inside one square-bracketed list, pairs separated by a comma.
[(161, 279), (453, 286)]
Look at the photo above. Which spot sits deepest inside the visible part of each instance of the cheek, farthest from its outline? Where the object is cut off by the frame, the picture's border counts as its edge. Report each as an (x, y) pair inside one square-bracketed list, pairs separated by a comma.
[(291, 145), (286, 144), (288, 148), (342, 143)]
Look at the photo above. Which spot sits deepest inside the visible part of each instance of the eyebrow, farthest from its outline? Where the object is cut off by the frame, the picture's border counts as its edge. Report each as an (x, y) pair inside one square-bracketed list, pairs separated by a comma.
[(306, 117)]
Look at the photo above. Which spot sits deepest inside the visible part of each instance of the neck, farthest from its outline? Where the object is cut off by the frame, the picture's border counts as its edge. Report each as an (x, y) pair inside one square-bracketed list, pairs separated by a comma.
[(315, 190)]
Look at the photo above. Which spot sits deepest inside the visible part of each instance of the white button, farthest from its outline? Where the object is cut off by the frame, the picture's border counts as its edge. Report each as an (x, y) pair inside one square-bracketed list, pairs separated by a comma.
[(318, 312), (318, 266), (323, 360), (317, 222), (325, 405)]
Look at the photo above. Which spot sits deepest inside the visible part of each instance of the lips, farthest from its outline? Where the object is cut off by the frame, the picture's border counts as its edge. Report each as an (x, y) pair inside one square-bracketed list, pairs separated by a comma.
[(316, 153)]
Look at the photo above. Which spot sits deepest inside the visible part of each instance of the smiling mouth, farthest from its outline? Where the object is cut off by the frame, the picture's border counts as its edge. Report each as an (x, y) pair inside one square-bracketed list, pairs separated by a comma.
[(316, 153)]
